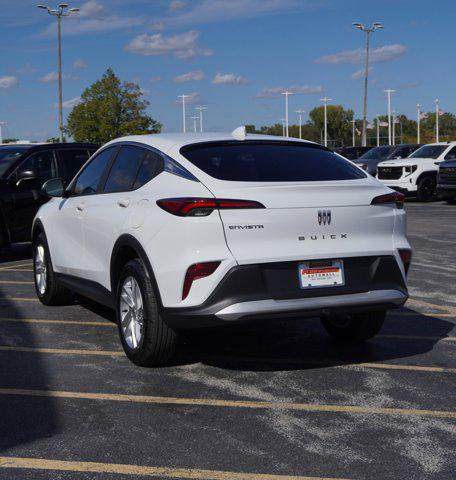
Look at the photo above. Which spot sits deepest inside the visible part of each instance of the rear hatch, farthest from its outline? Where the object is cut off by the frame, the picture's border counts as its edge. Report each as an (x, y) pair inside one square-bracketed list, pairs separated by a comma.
[(328, 215)]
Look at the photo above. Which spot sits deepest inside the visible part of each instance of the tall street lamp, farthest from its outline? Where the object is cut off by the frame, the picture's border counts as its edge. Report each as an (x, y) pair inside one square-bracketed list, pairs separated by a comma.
[(194, 118), (300, 112), (184, 128), (63, 10), (325, 101), (367, 31), (418, 121), (286, 93), (200, 109), (389, 91), (437, 114)]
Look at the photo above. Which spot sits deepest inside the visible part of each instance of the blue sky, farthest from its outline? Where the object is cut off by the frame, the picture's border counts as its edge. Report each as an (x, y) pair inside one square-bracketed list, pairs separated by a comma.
[(232, 56)]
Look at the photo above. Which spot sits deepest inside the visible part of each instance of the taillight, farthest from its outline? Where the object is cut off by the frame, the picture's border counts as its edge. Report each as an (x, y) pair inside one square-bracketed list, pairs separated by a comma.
[(202, 207), (406, 257), (393, 197), (196, 271)]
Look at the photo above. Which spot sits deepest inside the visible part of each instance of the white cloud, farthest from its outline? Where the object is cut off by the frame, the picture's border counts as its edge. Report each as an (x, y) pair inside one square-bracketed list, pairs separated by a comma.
[(193, 76), (377, 55), (71, 103), (79, 64), (297, 89), (54, 76), (228, 79), (190, 99), (177, 5), (157, 26), (182, 46), (92, 9), (359, 73), (26, 69), (8, 81)]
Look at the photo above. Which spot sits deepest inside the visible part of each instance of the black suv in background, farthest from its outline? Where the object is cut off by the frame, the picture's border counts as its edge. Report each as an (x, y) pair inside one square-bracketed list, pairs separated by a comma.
[(352, 153), (23, 170), (446, 181)]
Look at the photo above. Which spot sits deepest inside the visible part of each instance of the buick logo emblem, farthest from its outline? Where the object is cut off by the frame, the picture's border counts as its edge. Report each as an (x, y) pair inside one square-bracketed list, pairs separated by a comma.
[(324, 217)]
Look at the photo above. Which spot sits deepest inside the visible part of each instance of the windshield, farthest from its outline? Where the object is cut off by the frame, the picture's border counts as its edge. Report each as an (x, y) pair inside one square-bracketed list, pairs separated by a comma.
[(378, 152), (8, 155), (429, 151), (270, 161)]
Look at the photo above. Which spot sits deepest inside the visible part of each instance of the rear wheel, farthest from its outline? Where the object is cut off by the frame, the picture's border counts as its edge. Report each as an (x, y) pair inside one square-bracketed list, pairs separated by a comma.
[(427, 189), (146, 338), (354, 328), (47, 287)]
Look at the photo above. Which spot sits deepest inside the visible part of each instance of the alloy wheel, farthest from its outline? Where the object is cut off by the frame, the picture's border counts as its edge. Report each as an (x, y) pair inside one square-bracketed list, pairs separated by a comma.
[(131, 312), (40, 269)]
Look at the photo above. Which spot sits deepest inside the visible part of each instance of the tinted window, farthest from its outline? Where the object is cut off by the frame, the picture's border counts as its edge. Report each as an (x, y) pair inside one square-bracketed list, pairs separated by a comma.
[(42, 163), (151, 166), (380, 153), (88, 181), (429, 151), (402, 152), (8, 155), (451, 155), (71, 161), (124, 170), (274, 161)]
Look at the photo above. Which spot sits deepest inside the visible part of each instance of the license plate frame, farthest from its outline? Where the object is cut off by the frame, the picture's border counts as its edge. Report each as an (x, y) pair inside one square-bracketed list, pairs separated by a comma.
[(312, 267)]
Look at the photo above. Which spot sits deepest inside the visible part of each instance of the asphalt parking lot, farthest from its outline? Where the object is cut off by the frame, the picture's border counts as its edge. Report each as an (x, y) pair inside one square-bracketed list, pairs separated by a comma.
[(259, 402)]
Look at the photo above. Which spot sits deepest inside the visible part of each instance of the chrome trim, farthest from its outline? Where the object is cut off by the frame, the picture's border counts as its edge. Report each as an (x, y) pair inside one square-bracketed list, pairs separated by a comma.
[(374, 297)]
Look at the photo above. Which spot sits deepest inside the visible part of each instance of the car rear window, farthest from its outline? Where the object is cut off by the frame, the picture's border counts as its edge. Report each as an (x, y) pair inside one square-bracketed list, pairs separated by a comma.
[(269, 161)]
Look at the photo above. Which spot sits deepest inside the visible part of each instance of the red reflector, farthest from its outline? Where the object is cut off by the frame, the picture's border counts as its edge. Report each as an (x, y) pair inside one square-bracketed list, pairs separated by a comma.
[(406, 257), (196, 271), (393, 197), (201, 207)]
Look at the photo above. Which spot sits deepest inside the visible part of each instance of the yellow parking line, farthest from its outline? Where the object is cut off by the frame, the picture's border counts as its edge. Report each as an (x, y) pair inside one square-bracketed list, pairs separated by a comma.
[(63, 322), (213, 402), (16, 270), (19, 299), (284, 361), (16, 266), (142, 470), (14, 282), (445, 308)]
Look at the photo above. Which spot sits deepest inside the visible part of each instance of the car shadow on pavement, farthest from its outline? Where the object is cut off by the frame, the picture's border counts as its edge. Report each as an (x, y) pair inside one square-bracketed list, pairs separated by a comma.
[(23, 418), (303, 344), (20, 251)]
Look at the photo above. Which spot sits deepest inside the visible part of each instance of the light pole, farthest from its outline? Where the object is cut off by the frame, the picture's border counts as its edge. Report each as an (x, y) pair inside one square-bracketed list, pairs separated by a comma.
[(62, 10), (200, 109), (325, 101), (353, 132), (282, 121), (1, 132), (367, 31), (437, 114), (378, 130), (389, 91), (300, 112), (184, 128), (393, 117), (418, 121), (194, 118), (286, 93)]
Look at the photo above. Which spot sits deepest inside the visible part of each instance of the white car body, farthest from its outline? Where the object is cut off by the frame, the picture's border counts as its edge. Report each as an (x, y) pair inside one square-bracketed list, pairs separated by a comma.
[(83, 233), (405, 174)]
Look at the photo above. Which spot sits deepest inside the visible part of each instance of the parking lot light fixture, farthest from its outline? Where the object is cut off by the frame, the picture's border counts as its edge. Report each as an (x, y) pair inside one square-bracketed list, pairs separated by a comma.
[(418, 121), (61, 11), (353, 132), (282, 121), (184, 126), (200, 110), (389, 91), (300, 113), (286, 93), (194, 118), (325, 101), (367, 31), (378, 130), (437, 114)]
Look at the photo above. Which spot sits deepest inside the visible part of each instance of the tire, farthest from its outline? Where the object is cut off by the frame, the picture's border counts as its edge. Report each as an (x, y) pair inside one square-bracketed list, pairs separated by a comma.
[(355, 328), (426, 191), (450, 201), (146, 338), (48, 289)]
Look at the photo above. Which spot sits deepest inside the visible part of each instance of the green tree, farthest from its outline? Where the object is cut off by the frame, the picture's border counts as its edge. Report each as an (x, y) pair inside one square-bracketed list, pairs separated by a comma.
[(109, 109), (10, 140), (338, 121)]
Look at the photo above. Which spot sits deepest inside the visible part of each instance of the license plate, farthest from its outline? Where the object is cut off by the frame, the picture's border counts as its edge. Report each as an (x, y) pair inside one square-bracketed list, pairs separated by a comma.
[(316, 273)]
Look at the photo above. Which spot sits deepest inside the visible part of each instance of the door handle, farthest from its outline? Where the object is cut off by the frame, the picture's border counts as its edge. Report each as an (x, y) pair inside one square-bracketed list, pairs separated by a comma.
[(123, 203), (80, 207)]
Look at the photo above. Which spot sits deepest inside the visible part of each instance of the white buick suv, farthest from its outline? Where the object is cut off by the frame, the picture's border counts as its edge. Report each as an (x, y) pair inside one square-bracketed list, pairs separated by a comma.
[(186, 231)]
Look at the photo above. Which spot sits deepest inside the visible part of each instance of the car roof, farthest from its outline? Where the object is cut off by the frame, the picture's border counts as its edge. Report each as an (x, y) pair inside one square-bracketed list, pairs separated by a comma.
[(444, 144), (165, 141)]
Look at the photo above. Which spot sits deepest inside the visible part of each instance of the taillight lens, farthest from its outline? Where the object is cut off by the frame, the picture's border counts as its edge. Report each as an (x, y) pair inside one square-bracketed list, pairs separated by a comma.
[(393, 197), (202, 207), (406, 257), (196, 271)]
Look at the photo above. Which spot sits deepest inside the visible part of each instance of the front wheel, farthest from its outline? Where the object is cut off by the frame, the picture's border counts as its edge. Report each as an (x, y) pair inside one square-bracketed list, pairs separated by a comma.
[(426, 191), (146, 338), (354, 328)]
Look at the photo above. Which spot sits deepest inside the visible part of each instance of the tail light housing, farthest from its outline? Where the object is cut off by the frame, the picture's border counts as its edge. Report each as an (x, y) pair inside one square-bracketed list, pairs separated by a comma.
[(202, 207), (393, 197), (195, 272), (406, 257)]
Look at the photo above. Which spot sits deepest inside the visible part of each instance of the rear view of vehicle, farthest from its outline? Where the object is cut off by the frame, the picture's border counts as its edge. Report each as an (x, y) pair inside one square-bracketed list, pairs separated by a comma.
[(446, 181)]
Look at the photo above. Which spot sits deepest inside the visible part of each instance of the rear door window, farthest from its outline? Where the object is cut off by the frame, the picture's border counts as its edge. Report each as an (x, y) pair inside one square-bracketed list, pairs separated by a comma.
[(270, 161), (71, 161), (124, 169), (152, 165)]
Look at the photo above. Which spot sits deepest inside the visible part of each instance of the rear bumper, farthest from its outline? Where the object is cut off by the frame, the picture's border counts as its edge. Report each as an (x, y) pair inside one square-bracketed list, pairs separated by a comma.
[(271, 291)]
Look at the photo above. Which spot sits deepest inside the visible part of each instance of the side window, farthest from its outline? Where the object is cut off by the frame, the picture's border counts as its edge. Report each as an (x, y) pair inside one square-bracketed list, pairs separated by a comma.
[(89, 180), (43, 164), (71, 161), (152, 165), (451, 155), (124, 169)]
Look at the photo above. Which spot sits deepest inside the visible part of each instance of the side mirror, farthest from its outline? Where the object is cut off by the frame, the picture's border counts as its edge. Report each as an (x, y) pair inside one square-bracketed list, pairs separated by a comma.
[(24, 175), (55, 187)]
